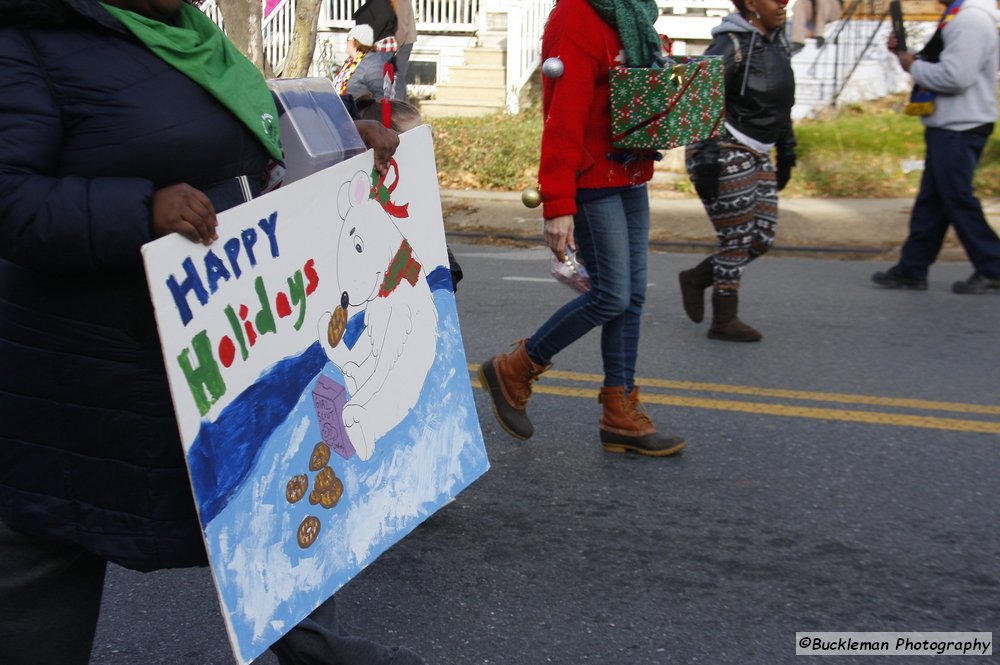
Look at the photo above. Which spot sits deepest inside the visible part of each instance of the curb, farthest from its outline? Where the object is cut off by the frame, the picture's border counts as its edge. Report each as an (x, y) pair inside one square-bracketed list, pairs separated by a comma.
[(831, 228)]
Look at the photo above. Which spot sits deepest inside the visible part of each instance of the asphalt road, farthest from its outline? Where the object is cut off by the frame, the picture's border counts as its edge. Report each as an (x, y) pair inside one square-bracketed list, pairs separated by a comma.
[(841, 475)]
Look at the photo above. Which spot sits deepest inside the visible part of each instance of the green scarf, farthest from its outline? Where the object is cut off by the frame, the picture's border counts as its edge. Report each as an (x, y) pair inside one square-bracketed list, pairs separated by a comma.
[(633, 19), (197, 48)]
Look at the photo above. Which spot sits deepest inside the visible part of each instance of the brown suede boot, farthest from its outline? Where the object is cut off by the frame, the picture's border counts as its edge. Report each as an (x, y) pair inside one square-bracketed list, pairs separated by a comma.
[(625, 426), (726, 326), (507, 378), (693, 285)]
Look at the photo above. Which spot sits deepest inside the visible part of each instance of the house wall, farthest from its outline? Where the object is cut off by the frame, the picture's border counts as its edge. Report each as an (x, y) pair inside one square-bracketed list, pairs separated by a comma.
[(434, 53), (432, 56), (687, 22)]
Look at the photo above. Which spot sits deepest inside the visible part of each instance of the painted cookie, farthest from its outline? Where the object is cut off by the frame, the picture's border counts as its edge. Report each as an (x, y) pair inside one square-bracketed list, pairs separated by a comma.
[(320, 457), (296, 488), (329, 497), (338, 324), (327, 489), (308, 531)]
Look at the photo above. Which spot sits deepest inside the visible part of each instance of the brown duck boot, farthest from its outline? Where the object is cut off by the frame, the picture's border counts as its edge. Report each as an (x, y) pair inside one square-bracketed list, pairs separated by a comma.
[(693, 285), (625, 426), (507, 378), (726, 326)]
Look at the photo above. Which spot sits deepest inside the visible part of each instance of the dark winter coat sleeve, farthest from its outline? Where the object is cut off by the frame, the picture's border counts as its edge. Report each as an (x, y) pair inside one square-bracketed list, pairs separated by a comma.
[(785, 147), (90, 454), (49, 222)]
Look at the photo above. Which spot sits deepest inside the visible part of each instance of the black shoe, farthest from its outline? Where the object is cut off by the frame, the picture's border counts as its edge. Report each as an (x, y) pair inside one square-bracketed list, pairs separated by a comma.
[(977, 285), (893, 279)]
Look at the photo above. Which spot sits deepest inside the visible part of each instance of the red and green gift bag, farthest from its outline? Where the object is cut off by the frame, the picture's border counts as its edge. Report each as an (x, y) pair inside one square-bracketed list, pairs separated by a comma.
[(660, 109)]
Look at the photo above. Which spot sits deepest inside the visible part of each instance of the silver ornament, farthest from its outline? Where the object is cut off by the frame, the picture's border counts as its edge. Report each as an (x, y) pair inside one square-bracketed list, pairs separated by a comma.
[(531, 197), (552, 67)]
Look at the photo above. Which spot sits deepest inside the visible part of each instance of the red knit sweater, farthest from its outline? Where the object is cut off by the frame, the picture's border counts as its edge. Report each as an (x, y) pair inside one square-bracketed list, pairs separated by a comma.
[(576, 137)]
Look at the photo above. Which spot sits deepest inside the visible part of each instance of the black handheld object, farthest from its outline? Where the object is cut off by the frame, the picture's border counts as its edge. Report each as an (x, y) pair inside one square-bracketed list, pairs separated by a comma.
[(896, 12)]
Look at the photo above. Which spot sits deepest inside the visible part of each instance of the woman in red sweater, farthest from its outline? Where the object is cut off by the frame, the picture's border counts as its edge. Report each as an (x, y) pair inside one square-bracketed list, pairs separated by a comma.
[(595, 200)]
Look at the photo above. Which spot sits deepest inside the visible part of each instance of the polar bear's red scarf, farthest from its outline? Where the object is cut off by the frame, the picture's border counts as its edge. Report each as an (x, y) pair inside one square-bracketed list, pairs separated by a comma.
[(402, 267), (382, 194)]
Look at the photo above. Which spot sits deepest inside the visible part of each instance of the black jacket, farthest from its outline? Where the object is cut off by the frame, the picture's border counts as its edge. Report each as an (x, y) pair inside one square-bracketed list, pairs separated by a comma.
[(91, 125), (760, 86), (380, 15)]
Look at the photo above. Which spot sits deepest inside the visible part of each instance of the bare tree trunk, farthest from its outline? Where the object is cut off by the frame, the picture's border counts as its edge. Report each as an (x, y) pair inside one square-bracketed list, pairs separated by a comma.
[(300, 54), (243, 20)]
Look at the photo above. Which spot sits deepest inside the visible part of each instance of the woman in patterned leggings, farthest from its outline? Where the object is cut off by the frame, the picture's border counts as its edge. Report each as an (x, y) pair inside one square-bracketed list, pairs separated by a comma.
[(733, 173)]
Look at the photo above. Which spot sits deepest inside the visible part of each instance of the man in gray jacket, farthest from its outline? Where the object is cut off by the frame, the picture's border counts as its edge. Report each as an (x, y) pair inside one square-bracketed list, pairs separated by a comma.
[(956, 93)]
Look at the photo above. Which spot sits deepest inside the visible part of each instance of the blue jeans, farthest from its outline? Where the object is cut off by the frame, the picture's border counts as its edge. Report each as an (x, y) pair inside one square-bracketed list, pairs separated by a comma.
[(612, 236), (946, 198)]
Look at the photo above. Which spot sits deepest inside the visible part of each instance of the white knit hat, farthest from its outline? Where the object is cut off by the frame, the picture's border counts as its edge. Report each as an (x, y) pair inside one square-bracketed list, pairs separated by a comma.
[(363, 34)]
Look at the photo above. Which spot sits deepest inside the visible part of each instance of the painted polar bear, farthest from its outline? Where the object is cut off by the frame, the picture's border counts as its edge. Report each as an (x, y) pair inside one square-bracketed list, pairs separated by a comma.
[(377, 271)]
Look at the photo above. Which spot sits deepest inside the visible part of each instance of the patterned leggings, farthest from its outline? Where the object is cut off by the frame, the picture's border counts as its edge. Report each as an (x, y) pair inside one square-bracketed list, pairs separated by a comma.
[(744, 214)]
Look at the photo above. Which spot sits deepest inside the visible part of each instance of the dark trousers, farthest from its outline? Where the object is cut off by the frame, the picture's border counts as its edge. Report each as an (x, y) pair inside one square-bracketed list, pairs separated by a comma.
[(50, 599), (321, 640), (402, 67), (946, 198)]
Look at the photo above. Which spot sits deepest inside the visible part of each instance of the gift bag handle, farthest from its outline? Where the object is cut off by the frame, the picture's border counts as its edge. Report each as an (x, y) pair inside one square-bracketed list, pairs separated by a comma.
[(668, 45)]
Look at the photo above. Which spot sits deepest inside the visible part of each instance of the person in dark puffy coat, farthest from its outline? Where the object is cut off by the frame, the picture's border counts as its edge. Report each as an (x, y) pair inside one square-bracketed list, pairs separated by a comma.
[(105, 146), (733, 173)]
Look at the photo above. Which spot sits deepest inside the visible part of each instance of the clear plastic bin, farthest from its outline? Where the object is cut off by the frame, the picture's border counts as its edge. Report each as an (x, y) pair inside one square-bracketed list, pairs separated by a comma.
[(316, 129)]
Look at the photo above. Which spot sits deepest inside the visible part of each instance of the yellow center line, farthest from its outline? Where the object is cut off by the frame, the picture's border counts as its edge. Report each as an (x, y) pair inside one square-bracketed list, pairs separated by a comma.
[(806, 395), (784, 410)]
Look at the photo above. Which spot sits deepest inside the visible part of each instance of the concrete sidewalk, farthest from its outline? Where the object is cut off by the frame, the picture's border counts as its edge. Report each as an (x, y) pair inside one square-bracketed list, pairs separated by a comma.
[(839, 228)]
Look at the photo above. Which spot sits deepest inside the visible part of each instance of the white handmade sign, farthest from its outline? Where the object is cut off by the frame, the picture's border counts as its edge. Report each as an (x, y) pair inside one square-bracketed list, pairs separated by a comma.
[(319, 381)]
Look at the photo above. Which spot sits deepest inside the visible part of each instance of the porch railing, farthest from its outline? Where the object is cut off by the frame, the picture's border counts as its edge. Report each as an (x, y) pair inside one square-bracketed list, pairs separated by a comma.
[(212, 9), (681, 7), (525, 22), (432, 16), (276, 29), (843, 50)]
